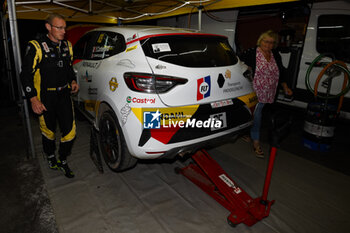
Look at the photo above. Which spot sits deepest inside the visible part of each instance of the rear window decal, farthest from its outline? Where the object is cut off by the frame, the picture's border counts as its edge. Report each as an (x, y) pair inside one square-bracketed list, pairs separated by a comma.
[(161, 47), (100, 38), (101, 49)]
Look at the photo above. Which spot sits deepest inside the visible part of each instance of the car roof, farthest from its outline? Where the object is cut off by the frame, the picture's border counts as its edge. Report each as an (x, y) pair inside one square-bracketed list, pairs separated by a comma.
[(134, 32)]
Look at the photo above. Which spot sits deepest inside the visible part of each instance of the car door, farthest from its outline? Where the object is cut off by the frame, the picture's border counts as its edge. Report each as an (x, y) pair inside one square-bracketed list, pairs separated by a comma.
[(95, 72), (83, 65)]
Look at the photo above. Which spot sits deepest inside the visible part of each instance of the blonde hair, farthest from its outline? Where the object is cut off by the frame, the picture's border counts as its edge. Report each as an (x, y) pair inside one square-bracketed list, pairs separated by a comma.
[(270, 34)]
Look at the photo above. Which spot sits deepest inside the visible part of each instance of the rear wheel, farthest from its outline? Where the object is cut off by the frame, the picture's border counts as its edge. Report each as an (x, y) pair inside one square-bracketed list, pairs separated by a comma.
[(112, 143)]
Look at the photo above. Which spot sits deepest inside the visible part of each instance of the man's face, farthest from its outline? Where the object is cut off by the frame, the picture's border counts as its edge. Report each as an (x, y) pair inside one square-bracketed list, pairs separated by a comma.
[(56, 29)]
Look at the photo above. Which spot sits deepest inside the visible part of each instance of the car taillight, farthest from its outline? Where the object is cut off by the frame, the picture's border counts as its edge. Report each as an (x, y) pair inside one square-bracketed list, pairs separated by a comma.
[(151, 84)]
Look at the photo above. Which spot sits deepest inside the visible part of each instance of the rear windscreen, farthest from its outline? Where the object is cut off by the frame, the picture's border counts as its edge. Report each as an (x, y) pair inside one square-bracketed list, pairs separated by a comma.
[(190, 51)]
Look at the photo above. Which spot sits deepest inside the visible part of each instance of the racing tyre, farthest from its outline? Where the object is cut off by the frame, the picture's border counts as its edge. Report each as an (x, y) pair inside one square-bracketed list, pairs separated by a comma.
[(112, 143)]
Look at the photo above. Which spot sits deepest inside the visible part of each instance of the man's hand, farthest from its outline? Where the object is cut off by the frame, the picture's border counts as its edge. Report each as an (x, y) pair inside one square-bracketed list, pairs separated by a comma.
[(37, 106), (75, 87)]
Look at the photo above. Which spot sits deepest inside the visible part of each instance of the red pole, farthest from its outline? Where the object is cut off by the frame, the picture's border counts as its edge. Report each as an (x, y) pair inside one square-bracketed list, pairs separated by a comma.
[(269, 173)]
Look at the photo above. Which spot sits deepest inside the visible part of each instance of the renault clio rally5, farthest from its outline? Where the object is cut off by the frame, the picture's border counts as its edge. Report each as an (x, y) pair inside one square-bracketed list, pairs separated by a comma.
[(157, 91)]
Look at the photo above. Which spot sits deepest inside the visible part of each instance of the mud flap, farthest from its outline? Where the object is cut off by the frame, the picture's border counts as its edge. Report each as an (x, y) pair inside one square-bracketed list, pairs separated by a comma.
[(94, 151)]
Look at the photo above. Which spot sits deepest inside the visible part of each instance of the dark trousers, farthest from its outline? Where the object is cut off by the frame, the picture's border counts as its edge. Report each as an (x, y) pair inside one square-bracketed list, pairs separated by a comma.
[(59, 109)]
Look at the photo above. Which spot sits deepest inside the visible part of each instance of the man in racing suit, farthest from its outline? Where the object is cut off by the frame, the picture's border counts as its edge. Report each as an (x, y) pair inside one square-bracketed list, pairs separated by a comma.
[(48, 80)]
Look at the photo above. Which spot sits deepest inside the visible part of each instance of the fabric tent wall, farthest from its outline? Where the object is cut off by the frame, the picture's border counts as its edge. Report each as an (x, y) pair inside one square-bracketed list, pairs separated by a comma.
[(112, 11)]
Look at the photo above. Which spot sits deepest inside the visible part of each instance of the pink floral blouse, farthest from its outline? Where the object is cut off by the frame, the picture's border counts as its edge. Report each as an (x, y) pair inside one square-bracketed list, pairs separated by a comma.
[(266, 78)]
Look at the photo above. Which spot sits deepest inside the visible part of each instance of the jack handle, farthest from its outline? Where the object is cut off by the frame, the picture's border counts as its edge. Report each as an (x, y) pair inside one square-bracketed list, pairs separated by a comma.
[(279, 130)]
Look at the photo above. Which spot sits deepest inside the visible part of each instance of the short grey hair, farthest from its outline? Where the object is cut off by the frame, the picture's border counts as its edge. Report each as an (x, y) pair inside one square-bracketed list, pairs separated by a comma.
[(52, 16)]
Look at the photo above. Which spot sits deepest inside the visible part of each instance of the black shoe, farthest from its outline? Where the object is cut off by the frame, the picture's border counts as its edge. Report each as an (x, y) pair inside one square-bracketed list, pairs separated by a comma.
[(51, 160), (64, 167)]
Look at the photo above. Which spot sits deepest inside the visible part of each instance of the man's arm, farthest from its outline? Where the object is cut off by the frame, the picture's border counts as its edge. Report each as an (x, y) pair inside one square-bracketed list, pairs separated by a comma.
[(29, 64), (73, 80), (29, 67)]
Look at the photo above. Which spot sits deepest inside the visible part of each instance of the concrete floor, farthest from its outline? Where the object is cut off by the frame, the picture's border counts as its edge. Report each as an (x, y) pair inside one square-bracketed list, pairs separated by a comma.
[(25, 206), (32, 201)]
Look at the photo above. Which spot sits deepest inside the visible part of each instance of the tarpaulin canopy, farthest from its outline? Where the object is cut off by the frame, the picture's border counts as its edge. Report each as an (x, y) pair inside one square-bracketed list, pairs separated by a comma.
[(115, 11)]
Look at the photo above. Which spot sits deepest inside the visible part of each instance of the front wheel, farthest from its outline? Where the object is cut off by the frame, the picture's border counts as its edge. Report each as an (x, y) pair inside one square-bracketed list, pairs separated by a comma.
[(112, 143)]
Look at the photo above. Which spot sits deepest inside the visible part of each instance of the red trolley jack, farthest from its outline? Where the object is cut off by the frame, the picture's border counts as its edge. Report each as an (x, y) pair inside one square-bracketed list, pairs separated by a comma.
[(212, 179)]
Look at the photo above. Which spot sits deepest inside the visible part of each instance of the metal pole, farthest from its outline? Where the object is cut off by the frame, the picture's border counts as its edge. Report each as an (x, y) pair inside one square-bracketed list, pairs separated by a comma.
[(7, 57), (200, 17), (18, 64)]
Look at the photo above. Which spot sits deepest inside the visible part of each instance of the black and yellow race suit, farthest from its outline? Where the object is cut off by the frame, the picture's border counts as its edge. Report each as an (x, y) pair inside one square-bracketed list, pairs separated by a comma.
[(47, 73)]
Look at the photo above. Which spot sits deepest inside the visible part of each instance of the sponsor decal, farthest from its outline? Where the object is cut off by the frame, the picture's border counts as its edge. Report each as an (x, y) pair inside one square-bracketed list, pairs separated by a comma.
[(124, 112), (91, 64), (228, 74), (203, 88), (222, 103), (159, 120), (100, 38), (172, 120), (86, 77), (233, 87), (151, 120), (131, 38), (225, 46), (92, 91), (130, 99), (60, 63), (131, 48), (167, 114), (46, 48), (250, 100), (172, 115), (161, 47), (101, 49), (221, 80), (126, 63), (230, 183), (219, 117), (160, 67), (113, 84), (90, 105), (99, 55)]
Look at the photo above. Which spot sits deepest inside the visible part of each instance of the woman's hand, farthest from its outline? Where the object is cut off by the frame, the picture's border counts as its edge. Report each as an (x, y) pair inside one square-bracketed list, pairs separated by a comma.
[(286, 89)]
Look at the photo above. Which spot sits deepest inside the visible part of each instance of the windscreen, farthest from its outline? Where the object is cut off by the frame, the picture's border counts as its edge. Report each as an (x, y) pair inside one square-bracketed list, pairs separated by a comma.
[(190, 50)]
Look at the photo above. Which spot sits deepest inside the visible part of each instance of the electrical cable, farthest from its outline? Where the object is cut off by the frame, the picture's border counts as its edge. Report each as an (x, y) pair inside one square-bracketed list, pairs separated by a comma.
[(163, 12)]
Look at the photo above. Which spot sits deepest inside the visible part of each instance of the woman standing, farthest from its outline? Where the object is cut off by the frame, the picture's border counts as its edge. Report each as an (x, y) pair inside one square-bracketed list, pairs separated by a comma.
[(268, 72)]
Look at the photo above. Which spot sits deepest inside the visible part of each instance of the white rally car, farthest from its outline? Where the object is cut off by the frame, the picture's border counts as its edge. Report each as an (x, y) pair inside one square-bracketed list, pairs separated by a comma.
[(155, 92)]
